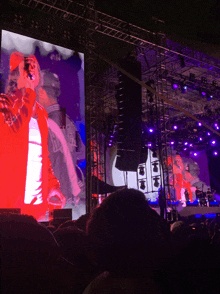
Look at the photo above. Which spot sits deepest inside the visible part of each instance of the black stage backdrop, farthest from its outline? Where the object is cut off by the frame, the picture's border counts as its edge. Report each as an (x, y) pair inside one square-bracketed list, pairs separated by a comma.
[(214, 171)]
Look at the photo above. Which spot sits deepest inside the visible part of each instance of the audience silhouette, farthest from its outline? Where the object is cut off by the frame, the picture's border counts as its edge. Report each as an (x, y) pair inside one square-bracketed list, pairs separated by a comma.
[(122, 247)]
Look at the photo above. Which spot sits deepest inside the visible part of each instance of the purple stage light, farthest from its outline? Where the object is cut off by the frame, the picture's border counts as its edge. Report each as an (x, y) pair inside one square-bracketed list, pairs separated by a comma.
[(151, 130), (184, 149), (215, 153), (203, 93), (175, 127), (208, 134), (191, 145), (185, 143), (213, 142), (216, 125), (199, 124), (175, 86), (172, 143), (200, 139), (195, 154), (149, 144)]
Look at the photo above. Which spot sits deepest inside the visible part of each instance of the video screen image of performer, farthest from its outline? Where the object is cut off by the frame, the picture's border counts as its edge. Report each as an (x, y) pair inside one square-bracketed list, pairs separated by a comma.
[(186, 172), (26, 176), (181, 177), (65, 145)]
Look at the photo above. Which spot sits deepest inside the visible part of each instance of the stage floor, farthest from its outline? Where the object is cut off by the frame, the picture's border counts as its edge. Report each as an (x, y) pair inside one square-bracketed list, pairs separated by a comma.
[(192, 210)]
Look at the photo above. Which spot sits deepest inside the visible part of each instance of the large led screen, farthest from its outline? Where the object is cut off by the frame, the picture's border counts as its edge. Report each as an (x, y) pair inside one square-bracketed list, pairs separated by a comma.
[(187, 171), (42, 146)]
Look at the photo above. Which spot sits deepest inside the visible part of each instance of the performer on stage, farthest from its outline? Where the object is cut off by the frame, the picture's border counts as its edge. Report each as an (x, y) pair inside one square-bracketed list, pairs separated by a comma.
[(200, 195), (209, 196), (186, 193), (181, 175), (65, 144), (162, 203), (26, 177)]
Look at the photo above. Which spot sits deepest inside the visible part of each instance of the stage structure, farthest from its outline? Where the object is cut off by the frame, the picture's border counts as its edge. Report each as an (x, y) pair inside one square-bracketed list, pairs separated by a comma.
[(186, 77)]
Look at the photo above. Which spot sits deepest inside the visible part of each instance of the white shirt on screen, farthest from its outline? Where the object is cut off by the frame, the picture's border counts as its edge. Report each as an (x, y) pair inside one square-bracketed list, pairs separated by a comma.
[(34, 165)]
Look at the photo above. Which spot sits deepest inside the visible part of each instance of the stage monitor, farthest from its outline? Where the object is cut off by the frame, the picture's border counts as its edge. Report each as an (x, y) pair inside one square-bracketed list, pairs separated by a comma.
[(43, 146)]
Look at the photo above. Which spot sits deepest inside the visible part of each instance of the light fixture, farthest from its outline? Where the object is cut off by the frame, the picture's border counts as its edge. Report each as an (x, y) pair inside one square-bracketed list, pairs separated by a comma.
[(209, 96), (156, 182), (183, 87), (203, 92), (216, 126), (155, 167), (142, 185), (203, 80), (141, 170), (175, 85)]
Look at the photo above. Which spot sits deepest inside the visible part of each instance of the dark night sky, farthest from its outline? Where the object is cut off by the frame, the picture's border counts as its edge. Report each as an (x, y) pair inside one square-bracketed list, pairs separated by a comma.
[(196, 19)]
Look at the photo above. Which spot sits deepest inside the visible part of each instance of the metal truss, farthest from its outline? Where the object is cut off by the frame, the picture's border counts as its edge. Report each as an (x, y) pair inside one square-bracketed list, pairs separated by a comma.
[(71, 11), (95, 140)]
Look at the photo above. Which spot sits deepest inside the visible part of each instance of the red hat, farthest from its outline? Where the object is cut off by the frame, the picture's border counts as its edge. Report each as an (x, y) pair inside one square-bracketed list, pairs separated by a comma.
[(15, 59)]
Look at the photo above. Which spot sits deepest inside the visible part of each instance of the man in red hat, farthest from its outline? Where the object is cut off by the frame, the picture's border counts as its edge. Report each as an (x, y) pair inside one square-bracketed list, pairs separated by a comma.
[(26, 177)]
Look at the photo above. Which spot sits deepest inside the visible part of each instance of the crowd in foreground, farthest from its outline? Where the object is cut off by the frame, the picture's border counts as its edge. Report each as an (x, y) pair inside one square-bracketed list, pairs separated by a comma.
[(124, 246)]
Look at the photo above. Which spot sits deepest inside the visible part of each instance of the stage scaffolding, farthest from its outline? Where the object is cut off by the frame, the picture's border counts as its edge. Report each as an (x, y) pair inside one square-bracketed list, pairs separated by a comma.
[(162, 60)]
